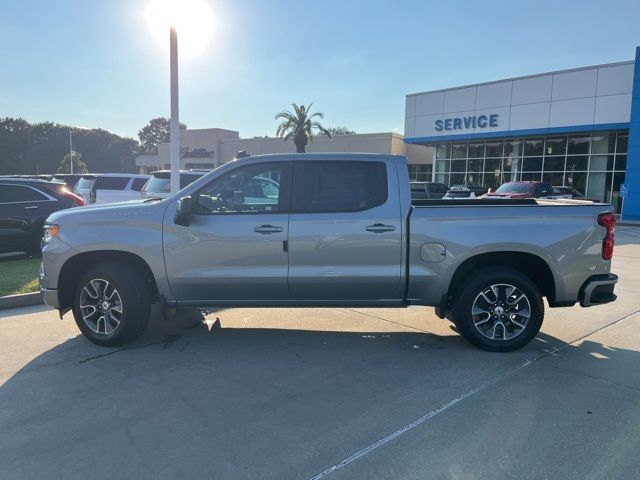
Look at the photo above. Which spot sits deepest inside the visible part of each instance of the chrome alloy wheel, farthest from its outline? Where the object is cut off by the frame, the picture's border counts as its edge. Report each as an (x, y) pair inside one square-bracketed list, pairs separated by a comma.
[(101, 306), (501, 312)]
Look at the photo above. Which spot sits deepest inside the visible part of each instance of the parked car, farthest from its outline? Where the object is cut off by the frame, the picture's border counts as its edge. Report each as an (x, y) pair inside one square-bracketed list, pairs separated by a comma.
[(24, 206), (567, 192), (522, 190), (340, 229), (458, 192), (111, 187), (159, 184), (71, 179), (428, 190)]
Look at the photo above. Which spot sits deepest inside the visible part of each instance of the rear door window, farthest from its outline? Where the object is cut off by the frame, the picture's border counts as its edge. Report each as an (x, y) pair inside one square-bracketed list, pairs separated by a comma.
[(342, 186), (138, 183), (111, 183), (20, 193)]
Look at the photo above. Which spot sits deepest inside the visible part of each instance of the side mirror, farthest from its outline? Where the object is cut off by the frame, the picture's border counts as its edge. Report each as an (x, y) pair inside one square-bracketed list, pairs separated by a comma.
[(183, 211), (238, 198)]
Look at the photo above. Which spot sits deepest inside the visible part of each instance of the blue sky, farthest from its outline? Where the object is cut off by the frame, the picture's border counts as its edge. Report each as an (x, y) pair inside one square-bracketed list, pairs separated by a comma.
[(93, 63)]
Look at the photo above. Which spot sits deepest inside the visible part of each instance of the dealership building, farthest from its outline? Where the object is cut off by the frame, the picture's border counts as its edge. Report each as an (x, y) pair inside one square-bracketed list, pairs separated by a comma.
[(577, 127)]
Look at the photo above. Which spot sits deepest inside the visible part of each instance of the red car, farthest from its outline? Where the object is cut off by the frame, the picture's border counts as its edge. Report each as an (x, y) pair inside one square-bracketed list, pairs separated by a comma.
[(522, 190)]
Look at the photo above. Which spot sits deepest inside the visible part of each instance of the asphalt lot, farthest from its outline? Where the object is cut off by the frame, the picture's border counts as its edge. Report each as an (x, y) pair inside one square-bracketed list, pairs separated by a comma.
[(335, 393)]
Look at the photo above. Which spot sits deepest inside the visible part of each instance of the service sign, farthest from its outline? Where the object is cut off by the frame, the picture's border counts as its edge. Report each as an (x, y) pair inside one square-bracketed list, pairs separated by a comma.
[(467, 123)]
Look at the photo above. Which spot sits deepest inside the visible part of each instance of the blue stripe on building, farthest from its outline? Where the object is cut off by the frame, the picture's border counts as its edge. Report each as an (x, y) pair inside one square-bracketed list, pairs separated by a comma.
[(632, 177)]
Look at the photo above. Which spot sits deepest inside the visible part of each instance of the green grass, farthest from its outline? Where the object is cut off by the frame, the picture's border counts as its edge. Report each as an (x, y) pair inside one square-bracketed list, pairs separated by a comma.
[(19, 276)]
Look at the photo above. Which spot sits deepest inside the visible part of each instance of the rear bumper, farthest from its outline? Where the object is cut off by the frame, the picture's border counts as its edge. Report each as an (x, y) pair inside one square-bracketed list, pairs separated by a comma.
[(598, 290)]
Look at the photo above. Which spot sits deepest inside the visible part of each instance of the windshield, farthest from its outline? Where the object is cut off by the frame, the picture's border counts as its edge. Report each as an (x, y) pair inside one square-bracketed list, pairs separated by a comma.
[(514, 188), (86, 183)]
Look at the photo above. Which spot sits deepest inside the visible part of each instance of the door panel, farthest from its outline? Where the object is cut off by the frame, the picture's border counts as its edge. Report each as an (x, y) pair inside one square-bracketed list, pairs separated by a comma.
[(345, 255), (233, 248)]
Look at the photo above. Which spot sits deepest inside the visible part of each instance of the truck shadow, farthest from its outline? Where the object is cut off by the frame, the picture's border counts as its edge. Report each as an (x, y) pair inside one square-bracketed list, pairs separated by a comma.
[(193, 399)]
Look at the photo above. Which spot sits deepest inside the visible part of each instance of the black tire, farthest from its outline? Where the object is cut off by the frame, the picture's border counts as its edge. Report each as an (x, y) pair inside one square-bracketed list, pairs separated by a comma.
[(132, 298), (477, 330)]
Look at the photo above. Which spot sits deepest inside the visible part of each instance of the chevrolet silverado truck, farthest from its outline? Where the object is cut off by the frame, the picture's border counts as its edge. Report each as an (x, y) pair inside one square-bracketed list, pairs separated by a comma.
[(327, 230)]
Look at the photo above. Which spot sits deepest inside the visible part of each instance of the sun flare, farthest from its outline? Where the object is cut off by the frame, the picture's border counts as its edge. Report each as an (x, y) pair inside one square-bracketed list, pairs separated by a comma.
[(193, 19)]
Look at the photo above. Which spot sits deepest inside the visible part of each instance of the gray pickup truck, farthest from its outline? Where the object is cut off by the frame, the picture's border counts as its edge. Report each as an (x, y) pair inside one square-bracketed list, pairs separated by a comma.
[(327, 230)]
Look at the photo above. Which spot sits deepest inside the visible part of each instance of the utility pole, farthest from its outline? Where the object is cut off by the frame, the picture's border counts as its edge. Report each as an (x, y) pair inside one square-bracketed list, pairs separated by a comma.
[(175, 125), (71, 151)]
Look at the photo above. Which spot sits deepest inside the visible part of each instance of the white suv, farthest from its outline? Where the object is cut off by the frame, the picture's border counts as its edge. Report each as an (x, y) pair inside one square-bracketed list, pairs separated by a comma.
[(110, 187)]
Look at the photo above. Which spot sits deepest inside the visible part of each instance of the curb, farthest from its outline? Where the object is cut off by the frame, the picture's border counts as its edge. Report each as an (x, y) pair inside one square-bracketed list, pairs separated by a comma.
[(21, 300)]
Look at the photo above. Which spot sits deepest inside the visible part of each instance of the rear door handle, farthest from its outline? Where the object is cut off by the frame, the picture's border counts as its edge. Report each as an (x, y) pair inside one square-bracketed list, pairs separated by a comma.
[(380, 228), (266, 229), (31, 208)]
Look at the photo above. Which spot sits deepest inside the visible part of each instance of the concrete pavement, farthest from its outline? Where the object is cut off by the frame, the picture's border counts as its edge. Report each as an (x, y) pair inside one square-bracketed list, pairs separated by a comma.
[(325, 393)]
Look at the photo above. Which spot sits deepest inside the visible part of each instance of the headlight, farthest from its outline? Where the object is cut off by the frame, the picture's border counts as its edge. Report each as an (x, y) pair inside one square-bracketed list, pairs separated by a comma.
[(50, 230)]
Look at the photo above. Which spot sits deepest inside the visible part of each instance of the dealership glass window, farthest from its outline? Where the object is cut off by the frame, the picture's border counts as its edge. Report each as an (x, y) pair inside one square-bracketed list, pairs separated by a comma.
[(474, 178), (443, 165), (603, 143), (441, 151), (513, 147), (565, 160), (492, 164), (554, 164), (616, 200), (531, 176), (442, 178), (458, 165), (457, 179), (621, 162), (533, 146), (554, 178), (578, 162), (459, 150), (599, 186), (475, 164), (532, 164), (577, 180), (556, 146), (494, 149), (476, 150), (578, 145), (601, 163)]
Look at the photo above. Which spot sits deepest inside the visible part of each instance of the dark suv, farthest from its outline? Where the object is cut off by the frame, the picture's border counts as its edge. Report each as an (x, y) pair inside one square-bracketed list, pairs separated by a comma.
[(24, 206)]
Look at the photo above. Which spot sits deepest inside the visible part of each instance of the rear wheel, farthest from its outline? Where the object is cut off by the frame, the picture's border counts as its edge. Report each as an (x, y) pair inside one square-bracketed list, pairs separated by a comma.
[(498, 310), (112, 304)]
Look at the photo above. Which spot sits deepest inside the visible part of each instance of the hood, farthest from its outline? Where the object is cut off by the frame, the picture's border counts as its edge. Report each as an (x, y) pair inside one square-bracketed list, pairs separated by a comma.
[(127, 209)]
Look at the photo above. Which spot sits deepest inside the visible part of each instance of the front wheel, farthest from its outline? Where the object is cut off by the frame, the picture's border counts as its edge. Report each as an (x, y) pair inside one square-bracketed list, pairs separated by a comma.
[(112, 304), (498, 309)]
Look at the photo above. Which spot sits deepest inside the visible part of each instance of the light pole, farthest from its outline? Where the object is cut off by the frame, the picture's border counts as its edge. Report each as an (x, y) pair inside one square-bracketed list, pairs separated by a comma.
[(71, 152), (175, 114), (194, 21)]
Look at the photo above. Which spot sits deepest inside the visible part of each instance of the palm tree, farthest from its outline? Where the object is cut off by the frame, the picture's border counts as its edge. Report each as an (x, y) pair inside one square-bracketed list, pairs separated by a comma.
[(300, 126)]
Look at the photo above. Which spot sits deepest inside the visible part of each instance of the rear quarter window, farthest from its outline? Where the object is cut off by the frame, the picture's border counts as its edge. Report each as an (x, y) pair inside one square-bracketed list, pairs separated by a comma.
[(138, 183), (111, 183)]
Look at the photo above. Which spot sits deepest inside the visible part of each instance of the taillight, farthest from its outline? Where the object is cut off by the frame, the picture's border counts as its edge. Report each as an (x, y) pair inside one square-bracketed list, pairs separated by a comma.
[(78, 200), (607, 220)]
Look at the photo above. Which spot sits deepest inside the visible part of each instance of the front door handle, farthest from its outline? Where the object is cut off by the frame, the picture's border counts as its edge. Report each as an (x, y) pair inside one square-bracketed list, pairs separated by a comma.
[(265, 229), (31, 208), (380, 228)]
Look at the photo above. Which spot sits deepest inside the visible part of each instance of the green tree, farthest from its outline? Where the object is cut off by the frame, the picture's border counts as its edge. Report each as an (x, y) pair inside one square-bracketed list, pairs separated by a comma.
[(79, 166), (300, 126), (341, 131), (157, 131)]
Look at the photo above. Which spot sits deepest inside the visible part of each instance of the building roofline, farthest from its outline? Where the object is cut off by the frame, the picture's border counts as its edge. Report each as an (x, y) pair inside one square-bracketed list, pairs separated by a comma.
[(554, 72)]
